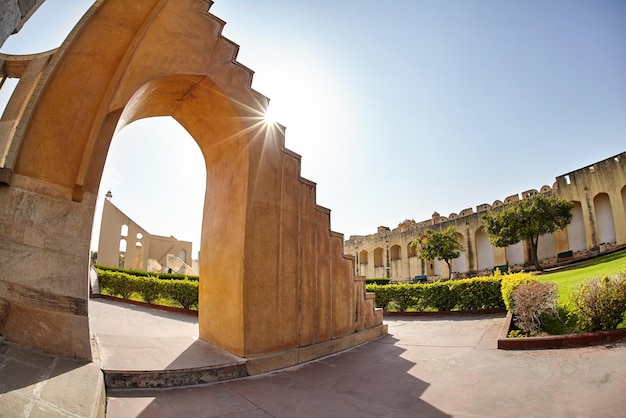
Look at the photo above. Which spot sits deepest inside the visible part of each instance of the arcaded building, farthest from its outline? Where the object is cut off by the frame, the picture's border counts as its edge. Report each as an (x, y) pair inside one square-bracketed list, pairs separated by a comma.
[(598, 192), (124, 243)]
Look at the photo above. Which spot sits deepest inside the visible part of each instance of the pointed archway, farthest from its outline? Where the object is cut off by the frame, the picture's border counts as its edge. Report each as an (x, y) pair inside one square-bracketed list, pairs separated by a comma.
[(279, 290)]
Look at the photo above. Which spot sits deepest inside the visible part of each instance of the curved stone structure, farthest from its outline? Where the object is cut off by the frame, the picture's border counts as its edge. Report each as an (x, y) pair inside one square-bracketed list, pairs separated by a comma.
[(598, 192), (274, 283)]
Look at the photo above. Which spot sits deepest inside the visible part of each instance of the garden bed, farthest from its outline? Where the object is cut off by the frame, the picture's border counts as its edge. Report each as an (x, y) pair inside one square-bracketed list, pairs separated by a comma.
[(555, 341)]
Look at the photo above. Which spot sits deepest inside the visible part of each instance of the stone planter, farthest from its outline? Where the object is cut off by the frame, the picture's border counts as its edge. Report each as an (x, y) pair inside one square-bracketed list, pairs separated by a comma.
[(555, 341)]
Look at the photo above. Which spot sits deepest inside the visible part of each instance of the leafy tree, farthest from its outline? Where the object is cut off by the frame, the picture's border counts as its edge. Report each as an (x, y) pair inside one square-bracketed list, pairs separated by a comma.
[(527, 220), (440, 245)]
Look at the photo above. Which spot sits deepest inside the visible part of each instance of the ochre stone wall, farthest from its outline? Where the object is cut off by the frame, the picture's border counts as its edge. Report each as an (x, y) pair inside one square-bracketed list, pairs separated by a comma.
[(43, 265), (589, 188), (274, 282)]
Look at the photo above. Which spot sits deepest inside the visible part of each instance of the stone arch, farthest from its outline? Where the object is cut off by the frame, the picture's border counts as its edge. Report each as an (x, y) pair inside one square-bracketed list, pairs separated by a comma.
[(459, 264), (515, 254), (411, 250), (264, 214), (484, 250), (438, 267), (396, 264), (363, 257), (576, 229), (604, 218), (378, 257), (415, 264), (224, 140), (546, 247), (363, 263), (395, 252), (380, 267)]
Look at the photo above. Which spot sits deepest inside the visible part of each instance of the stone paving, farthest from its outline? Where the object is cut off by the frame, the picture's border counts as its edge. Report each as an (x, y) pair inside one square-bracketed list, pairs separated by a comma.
[(424, 367), (35, 384)]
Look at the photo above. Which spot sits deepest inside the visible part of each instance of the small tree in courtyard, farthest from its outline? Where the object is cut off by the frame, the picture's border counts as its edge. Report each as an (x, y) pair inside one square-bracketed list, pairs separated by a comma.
[(440, 245), (527, 220)]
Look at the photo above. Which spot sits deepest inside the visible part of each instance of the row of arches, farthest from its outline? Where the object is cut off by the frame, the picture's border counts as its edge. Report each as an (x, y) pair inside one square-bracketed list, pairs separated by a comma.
[(597, 225)]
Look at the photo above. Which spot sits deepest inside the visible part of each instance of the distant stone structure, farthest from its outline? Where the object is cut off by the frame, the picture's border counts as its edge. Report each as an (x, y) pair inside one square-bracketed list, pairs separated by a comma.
[(124, 243), (598, 192), (13, 15)]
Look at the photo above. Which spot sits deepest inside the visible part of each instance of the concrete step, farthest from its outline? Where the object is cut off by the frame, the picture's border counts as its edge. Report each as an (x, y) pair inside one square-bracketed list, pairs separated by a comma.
[(163, 362), (127, 379)]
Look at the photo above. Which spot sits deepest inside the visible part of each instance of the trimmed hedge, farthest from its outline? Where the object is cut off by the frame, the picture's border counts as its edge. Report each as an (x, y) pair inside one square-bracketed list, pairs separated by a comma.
[(117, 283), (141, 273), (377, 281), (477, 293), (466, 294)]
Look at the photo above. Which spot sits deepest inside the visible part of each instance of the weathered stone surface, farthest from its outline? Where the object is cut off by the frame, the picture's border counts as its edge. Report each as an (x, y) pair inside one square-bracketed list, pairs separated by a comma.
[(10, 17), (36, 384), (51, 331), (173, 378)]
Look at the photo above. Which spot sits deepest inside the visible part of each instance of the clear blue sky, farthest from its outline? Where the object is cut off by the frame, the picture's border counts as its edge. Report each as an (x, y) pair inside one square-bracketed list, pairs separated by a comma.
[(398, 109)]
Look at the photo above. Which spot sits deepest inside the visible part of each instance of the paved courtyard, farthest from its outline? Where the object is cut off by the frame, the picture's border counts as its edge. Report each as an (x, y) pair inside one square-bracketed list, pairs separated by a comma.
[(434, 367)]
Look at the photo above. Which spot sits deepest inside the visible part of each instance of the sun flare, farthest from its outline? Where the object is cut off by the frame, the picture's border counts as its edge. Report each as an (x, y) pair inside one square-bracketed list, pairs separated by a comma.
[(269, 117)]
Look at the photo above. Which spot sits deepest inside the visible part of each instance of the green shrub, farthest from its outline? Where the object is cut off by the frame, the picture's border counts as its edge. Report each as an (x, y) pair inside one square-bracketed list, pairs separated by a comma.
[(531, 302), (399, 296), (438, 296), (600, 303), (116, 283), (405, 296), (510, 282), (477, 293), (162, 276), (384, 294), (377, 281), (184, 292), (148, 287)]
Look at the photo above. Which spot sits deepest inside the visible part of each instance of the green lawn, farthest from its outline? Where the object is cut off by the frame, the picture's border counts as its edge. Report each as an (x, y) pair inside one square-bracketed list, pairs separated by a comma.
[(569, 280)]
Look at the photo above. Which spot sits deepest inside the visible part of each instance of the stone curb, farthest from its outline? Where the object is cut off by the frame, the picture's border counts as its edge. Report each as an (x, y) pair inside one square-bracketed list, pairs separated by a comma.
[(556, 341), (448, 313)]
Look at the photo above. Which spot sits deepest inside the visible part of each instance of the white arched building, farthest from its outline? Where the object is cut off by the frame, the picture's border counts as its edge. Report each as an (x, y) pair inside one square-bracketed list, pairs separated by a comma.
[(123, 243), (597, 191)]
